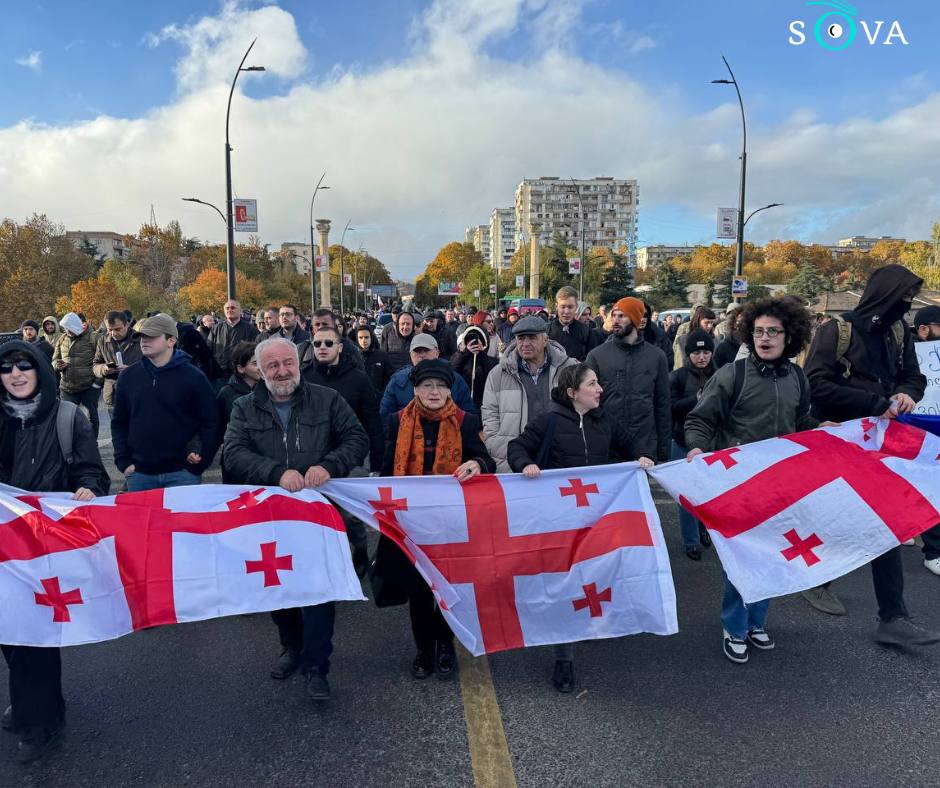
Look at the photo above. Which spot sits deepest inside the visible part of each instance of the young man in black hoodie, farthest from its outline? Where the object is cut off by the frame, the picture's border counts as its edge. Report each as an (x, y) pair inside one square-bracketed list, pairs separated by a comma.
[(874, 374), (165, 423), (377, 365)]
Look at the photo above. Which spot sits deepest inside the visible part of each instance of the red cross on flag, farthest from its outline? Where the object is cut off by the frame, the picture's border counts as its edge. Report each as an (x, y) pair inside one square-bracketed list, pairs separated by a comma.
[(573, 555), (75, 572), (790, 513)]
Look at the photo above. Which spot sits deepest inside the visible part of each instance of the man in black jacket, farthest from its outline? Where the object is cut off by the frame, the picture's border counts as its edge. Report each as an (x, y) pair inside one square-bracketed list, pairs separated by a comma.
[(294, 434), (165, 423), (377, 365), (116, 351), (228, 333), (288, 328), (874, 374), (575, 337)]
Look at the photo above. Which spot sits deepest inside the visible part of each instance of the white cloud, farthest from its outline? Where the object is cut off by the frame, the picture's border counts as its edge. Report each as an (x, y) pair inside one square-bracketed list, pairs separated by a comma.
[(418, 149), (641, 44), (32, 61)]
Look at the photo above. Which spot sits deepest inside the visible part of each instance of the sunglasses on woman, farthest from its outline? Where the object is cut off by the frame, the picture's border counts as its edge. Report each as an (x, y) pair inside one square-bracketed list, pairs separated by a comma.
[(22, 364), (323, 343)]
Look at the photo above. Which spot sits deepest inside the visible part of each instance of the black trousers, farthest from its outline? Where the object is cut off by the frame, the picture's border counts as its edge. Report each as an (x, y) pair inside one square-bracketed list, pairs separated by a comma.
[(309, 632), (427, 624), (887, 574), (931, 539), (89, 400), (35, 686)]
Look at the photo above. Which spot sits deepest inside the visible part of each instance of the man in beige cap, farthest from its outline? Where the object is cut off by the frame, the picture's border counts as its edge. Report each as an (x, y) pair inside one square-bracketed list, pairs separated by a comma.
[(165, 422)]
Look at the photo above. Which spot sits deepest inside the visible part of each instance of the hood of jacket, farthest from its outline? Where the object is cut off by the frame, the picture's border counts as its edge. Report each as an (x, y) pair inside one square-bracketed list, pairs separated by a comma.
[(509, 361), (343, 365), (178, 359), (56, 334), (48, 386), (885, 298)]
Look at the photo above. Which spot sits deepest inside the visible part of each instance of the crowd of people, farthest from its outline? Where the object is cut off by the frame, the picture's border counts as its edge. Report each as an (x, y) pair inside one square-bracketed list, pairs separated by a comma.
[(281, 400)]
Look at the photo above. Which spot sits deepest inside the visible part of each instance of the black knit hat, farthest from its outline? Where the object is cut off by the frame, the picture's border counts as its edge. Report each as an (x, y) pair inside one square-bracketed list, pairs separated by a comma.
[(435, 368), (699, 340), (29, 324)]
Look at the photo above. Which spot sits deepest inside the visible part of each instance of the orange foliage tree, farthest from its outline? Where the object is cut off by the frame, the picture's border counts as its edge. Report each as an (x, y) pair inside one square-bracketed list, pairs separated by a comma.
[(93, 298), (207, 293)]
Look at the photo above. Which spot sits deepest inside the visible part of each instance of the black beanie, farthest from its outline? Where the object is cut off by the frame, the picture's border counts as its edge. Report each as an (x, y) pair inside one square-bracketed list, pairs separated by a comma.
[(699, 339), (29, 324), (435, 368)]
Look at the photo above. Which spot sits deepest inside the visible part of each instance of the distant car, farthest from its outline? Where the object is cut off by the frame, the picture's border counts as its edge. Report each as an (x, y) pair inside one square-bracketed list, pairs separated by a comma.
[(380, 324), (682, 314), (528, 306)]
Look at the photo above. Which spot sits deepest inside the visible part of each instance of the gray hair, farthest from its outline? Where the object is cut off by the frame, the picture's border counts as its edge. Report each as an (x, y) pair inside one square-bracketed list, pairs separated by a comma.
[(266, 343)]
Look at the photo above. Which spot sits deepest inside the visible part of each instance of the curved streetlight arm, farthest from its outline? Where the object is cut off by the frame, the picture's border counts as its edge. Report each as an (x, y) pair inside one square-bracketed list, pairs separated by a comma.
[(737, 90), (231, 93), (203, 202), (758, 210), (312, 199)]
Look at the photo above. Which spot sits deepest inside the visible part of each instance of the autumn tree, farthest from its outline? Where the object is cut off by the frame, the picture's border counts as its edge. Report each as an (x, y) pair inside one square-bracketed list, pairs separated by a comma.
[(94, 298), (208, 292), (451, 264)]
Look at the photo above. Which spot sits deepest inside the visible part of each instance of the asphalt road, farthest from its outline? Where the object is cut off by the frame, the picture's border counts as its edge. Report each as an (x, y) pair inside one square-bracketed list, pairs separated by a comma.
[(193, 704)]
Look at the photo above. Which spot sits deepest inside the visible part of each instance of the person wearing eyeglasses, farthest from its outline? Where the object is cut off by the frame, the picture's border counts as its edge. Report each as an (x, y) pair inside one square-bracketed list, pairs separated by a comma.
[(430, 436), (400, 391), (762, 396), (333, 369), (31, 458)]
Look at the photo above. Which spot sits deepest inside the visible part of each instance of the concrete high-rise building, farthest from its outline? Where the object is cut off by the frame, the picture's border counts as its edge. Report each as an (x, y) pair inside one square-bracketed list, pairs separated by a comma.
[(653, 256), (479, 236), (609, 217), (502, 237)]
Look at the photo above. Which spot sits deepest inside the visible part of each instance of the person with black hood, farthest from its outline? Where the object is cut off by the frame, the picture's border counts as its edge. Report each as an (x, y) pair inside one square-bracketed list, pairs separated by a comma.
[(653, 334), (377, 365), (396, 340), (165, 423), (574, 432), (473, 363), (446, 340), (860, 365), (32, 458), (685, 390), (727, 350), (29, 329)]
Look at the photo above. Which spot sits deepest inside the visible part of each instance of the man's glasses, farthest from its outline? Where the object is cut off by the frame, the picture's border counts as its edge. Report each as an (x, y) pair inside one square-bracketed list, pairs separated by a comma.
[(22, 364), (323, 343), (770, 333)]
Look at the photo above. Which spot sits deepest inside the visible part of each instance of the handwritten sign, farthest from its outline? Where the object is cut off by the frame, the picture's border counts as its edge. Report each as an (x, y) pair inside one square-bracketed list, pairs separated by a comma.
[(928, 356)]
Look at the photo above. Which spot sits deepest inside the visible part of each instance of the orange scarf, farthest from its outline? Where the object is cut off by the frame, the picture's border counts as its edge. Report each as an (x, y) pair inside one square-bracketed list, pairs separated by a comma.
[(409, 449)]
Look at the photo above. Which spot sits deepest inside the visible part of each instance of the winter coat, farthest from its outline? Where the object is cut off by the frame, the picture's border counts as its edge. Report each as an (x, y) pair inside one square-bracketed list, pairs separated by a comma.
[(577, 341), (79, 353), (474, 369), (684, 387), (879, 368), (53, 340), (446, 340), (323, 430), (726, 351), (655, 336), (225, 399), (377, 367), (105, 363), (192, 343), (43, 347), (299, 337), (159, 413), (576, 441), (772, 403), (635, 380), (354, 386), (350, 350), (505, 409), (30, 454), (399, 392), (223, 337), (396, 346)]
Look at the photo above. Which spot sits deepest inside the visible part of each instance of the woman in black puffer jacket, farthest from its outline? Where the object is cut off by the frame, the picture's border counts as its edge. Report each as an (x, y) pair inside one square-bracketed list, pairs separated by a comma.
[(573, 433), (473, 363)]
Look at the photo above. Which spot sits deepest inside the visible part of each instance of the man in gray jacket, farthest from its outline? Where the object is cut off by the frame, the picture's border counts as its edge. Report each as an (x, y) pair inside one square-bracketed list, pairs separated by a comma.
[(635, 379), (296, 435), (519, 388)]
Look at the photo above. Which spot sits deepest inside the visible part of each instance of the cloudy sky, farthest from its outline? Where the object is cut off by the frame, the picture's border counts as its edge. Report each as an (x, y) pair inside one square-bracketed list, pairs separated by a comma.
[(425, 115)]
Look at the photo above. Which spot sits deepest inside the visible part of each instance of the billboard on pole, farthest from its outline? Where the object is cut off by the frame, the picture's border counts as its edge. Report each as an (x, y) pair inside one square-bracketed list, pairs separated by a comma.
[(727, 223), (347, 280), (574, 265), (448, 288), (320, 264), (246, 215)]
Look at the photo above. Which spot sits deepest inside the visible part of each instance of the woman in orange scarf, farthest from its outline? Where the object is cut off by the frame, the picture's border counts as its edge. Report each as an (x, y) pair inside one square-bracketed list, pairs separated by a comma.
[(431, 435)]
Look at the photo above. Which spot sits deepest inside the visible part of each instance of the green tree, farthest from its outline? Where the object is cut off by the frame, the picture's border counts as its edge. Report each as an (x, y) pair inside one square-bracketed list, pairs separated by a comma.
[(808, 282), (616, 283), (670, 287)]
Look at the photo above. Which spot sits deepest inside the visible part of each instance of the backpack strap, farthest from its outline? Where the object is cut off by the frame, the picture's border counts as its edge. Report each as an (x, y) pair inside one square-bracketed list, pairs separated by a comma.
[(842, 344), (546, 447), (740, 372), (65, 428)]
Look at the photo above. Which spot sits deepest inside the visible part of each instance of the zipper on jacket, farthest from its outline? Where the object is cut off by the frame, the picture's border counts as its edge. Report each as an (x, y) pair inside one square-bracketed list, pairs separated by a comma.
[(583, 438), (777, 408)]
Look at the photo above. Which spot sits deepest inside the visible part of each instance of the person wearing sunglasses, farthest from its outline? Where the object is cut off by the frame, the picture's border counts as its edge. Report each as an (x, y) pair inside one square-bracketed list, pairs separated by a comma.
[(31, 458)]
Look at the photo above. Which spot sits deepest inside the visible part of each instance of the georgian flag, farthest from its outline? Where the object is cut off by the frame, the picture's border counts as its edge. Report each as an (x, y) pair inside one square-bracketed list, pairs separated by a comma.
[(791, 513), (73, 572), (573, 555)]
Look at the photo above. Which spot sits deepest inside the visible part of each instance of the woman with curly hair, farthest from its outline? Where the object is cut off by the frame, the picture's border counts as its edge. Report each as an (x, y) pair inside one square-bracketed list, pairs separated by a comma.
[(762, 396)]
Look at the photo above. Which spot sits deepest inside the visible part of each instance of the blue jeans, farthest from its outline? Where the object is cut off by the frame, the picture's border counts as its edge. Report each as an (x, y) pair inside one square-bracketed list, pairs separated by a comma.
[(739, 619), (138, 482), (688, 525)]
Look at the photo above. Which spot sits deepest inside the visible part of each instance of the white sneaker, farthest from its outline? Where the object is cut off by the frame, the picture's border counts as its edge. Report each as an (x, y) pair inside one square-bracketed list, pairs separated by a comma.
[(760, 638), (908, 543), (933, 564), (734, 649)]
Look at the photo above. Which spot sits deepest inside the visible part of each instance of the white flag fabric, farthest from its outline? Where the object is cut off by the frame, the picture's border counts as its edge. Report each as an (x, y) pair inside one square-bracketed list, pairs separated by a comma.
[(73, 572), (791, 513), (573, 555)]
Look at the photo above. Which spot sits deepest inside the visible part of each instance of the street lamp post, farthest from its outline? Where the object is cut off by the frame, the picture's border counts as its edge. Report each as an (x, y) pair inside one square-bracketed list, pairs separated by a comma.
[(342, 238), (577, 193), (356, 279), (230, 240), (203, 202), (313, 254)]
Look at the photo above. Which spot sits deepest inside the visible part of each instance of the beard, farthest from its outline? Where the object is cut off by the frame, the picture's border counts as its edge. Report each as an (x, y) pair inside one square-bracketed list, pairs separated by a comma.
[(282, 388)]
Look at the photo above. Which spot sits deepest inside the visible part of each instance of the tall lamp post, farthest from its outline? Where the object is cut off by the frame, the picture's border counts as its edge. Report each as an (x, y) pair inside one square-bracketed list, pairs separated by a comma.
[(577, 193), (203, 202), (313, 254), (342, 309), (230, 245)]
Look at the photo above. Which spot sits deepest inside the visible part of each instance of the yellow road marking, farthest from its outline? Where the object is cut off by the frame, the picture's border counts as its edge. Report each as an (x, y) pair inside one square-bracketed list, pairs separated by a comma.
[(489, 751)]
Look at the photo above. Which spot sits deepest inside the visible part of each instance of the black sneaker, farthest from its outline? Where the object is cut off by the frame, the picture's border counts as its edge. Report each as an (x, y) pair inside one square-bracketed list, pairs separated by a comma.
[(318, 688), (423, 666), (445, 662), (734, 649), (38, 745), (694, 553), (563, 675), (760, 638), (286, 665), (904, 632), (703, 536)]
